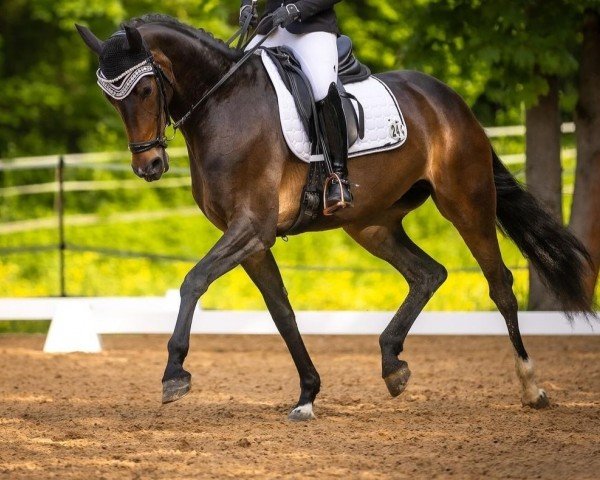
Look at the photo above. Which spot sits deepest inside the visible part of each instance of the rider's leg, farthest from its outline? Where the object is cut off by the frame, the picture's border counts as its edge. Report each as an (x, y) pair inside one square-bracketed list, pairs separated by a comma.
[(317, 54), (276, 39), (333, 125), (318, 57)]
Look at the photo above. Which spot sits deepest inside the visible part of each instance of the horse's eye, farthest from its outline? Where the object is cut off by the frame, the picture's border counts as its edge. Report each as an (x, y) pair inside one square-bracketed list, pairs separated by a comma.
[(146, 91)]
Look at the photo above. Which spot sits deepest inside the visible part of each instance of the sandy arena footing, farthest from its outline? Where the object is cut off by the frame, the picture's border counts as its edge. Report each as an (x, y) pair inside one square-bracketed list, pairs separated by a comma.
[(99, 416)]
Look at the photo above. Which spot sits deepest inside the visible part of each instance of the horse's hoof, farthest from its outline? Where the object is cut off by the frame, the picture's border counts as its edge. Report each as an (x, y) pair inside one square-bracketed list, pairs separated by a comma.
[(538, 402), (302, 413), (396, 382), (176, 388)]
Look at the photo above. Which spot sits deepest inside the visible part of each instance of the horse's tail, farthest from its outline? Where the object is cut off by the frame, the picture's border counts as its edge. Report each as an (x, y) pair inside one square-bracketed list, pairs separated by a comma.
[(559, 257)]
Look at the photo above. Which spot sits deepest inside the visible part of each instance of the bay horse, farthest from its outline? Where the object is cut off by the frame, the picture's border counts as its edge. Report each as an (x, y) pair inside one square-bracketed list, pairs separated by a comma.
[(248, 184)]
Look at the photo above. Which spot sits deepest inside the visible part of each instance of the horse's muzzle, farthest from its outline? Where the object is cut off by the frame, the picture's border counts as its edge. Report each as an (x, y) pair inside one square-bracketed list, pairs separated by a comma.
[(152, 170)]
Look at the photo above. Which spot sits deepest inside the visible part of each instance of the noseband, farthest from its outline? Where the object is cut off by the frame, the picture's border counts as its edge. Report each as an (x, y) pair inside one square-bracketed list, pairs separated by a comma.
[(121, 86)]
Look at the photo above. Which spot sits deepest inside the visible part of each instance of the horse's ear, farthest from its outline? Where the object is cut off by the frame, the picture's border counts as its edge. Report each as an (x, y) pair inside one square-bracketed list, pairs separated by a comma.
[(91, 40), (134, 39)]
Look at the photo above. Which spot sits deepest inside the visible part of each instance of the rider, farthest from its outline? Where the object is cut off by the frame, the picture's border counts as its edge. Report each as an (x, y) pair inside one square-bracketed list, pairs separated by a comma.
[(309, 28)]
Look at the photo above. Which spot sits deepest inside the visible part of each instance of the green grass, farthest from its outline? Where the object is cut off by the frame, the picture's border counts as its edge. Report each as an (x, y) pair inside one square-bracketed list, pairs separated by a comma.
[(344, 275), (367, 282)]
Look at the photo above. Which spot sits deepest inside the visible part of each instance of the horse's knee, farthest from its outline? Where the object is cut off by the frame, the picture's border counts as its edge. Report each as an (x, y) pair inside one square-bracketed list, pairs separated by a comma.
[(193, 286), (436, 278), (427, 282)]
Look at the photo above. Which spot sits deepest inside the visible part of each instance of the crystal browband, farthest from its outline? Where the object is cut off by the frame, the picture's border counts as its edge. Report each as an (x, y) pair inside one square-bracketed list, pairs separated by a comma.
[(121, 86)]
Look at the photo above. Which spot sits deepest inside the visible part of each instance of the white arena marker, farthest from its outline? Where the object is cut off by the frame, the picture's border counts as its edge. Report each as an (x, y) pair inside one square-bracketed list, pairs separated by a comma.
[(73, 329)]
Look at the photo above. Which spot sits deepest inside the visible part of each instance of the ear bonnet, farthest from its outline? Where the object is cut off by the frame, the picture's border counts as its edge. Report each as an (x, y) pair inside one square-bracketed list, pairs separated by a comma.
[(121, 66)]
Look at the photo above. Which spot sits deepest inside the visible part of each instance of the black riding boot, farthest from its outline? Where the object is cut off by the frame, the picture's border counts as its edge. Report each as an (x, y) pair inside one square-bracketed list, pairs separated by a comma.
[(333, 125)]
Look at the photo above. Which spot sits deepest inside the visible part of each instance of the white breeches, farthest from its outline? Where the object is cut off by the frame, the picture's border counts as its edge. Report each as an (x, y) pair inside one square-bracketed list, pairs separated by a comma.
[(316, 52)]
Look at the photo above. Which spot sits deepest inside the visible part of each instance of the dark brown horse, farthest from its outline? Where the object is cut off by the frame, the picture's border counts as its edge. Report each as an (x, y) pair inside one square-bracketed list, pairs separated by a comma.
[(248, 184)]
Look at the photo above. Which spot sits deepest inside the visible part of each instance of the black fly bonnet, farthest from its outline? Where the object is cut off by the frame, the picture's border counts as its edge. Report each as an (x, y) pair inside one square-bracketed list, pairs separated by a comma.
[(122, 66)]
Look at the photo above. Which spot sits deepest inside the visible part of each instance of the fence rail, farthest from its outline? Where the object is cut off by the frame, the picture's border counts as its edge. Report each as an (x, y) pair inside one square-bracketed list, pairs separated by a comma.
[(77, 323), (80, 159), (109, 161)]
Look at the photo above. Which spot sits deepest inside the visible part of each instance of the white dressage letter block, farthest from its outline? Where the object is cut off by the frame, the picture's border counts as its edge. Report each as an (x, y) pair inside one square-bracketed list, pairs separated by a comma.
[(72, 329)]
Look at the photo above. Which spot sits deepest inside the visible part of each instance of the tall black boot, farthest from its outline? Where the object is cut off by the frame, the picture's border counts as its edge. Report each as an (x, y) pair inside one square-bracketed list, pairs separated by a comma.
[(333, 125)]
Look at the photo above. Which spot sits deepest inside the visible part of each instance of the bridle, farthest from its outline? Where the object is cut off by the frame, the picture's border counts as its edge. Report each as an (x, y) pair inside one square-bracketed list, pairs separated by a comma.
[(161, 140), (121, 86)]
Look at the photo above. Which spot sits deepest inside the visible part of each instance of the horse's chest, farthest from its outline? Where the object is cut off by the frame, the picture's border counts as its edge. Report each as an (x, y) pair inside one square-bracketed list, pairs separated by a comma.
[(210, 201)]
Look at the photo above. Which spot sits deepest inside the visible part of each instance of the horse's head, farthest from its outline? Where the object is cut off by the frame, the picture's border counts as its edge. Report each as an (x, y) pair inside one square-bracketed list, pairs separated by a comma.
[(138, 87)]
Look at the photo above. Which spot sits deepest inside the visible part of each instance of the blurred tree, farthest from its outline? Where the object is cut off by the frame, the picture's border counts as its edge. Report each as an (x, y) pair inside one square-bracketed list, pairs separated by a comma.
[(523, 53), (377, 29), (500, 56), (47, 104), (585, 212)]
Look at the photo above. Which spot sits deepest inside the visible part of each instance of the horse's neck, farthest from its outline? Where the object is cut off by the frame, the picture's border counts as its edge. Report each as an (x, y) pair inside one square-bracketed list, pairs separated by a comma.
[(197, 65)]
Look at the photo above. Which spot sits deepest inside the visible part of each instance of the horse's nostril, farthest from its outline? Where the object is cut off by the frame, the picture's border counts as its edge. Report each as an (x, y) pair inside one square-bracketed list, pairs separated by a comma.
[(138, 171), (156, 164)]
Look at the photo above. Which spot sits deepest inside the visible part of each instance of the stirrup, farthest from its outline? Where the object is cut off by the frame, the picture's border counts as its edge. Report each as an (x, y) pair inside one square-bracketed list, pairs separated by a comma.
[(342, 203)]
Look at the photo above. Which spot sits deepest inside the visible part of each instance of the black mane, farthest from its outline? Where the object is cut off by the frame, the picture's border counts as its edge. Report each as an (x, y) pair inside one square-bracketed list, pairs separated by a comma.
[(196, 33)]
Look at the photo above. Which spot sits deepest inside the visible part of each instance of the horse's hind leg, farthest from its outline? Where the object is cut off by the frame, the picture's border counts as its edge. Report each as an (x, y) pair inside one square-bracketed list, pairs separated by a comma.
[(387, 240), (263, 271), (469, 203)]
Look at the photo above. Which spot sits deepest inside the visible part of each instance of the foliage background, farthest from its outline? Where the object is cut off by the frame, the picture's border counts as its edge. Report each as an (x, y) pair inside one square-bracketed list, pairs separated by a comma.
[(487, 51)]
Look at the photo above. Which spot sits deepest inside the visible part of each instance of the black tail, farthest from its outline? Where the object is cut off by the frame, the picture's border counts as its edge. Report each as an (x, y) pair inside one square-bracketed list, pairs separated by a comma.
[(559, 258)]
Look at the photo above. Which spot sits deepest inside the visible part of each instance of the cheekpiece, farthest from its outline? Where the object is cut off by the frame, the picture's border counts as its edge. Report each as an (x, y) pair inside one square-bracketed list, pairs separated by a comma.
[(121, 86)]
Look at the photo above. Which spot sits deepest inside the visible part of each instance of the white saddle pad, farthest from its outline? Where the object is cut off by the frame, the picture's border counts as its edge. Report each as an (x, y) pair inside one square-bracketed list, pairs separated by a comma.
[(385, 128)]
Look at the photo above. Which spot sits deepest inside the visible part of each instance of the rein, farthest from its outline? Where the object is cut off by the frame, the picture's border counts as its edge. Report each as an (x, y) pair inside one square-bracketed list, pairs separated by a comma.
[(231, 71)]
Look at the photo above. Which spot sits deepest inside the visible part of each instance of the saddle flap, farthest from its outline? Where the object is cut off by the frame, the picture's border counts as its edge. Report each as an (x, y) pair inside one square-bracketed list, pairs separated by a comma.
[(296, 83)]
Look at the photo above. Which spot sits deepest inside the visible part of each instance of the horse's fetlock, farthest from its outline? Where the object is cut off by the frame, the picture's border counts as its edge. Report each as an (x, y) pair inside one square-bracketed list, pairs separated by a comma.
[(311, 383), (178, 349), (390, 345)]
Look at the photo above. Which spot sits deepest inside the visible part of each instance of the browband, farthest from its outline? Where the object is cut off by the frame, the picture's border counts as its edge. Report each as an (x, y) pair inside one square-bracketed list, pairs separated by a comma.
[(121, 86)]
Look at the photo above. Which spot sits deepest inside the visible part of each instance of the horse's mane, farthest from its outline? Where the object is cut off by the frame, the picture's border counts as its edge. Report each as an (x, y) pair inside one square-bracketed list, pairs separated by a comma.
[(196, 33)]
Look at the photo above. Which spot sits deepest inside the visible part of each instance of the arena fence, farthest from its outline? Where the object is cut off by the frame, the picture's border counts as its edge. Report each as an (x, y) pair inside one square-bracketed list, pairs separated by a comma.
[(77, 323), (113, 161)]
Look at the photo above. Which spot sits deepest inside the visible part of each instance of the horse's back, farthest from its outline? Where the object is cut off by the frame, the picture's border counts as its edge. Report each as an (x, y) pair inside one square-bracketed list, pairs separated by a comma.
[(416, 88)]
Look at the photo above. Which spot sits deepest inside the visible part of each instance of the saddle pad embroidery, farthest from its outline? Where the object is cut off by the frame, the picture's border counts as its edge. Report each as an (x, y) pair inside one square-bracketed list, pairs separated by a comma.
[(385, 128)]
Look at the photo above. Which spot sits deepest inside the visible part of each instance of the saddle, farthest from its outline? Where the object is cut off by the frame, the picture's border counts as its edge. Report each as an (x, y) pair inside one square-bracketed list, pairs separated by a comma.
[(350, 70)]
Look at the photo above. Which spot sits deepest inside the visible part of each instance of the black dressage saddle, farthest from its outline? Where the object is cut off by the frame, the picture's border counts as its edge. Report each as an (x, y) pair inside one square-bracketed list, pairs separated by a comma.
[(350, 70)]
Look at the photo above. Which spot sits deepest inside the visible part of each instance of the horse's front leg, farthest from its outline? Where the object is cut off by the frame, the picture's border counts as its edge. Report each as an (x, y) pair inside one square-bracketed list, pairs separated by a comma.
[(240, 240), (263, 271)]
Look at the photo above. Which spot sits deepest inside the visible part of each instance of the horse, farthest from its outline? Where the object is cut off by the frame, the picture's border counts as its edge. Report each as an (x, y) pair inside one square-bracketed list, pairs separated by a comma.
[(248, 184)]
